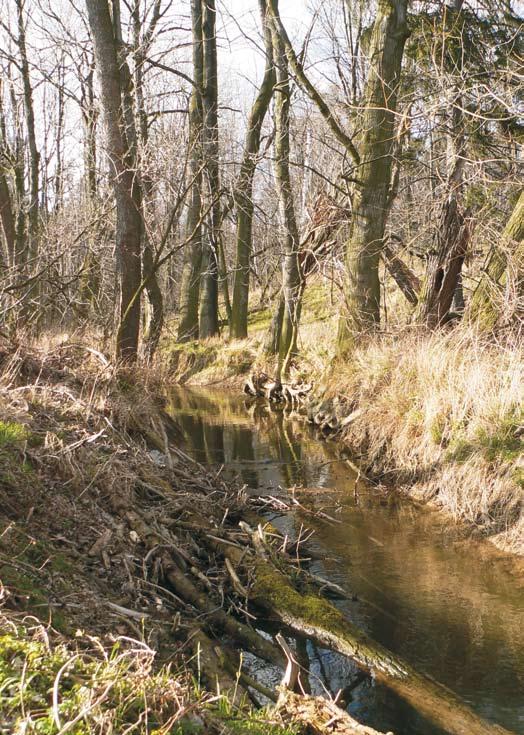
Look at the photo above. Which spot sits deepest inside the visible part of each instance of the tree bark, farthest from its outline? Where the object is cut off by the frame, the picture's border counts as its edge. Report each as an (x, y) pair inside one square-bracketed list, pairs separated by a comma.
[(190, 281), (125, 184), (484, 307), (208, 324), (291, 273), (243, 193), (373, 174), (444, 266), (6, 216)]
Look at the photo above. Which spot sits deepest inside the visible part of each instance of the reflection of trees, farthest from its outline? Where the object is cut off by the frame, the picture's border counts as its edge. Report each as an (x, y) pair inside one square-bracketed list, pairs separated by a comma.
[(442, 606)]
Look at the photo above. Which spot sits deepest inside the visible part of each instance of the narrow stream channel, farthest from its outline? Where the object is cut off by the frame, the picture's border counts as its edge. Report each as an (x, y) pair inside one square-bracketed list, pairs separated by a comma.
[(450, 606)]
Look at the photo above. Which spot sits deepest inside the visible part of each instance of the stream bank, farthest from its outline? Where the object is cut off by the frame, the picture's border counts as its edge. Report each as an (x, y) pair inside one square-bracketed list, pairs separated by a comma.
[(110, 529), (437, 416), (449, 604)]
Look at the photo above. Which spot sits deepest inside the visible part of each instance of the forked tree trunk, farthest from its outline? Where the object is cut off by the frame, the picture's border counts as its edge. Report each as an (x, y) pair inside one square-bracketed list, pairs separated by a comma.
[(450, 242), (291, 274), (444, 266), (125, 184), (243, 193), (190, 281), (373, 173)]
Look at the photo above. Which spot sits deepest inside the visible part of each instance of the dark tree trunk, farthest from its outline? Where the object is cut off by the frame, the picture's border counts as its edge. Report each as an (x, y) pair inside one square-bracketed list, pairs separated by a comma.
[(444, 266), (211, 243)]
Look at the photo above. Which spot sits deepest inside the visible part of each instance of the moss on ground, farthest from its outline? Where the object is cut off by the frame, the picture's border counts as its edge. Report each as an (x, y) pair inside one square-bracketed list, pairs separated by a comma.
[(48, 687), (12, 433)]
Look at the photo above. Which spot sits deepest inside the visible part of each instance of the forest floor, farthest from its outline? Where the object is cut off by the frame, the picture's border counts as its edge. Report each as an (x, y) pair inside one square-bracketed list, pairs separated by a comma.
[(439, 416), (119, 610)]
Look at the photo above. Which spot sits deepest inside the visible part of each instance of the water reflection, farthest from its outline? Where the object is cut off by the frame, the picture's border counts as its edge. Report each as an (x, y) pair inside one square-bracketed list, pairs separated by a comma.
[(448, 605)]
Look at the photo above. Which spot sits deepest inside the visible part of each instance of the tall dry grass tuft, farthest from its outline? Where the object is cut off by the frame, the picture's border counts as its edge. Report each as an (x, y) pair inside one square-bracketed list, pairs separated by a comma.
[(443, 414)]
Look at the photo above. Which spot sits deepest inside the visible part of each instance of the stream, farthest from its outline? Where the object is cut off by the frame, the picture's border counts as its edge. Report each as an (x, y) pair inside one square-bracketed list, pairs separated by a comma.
[(451, 606)]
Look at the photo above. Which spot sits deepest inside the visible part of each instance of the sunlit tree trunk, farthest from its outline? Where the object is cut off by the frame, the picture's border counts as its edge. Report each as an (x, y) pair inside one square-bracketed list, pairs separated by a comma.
[(125, 183), (243, 193), (142, 39), (484, 306), (190, 281), (372, 176), (452, 234), (291, 277), (34, 154)]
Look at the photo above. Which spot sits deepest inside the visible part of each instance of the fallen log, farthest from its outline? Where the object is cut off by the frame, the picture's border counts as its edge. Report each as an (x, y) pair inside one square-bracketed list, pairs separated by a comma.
[(319, 716), (308, 615)]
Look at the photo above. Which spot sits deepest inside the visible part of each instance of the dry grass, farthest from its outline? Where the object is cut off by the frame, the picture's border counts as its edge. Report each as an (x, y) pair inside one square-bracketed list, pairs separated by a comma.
[(444, 415)]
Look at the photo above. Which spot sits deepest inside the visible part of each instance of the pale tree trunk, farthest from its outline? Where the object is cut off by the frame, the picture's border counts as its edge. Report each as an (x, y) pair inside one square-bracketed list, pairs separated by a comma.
[(58, 189), (484, 307), (373, 174), (211, 244), (155, 311), (243, 193), (190, 281), (89, 285), (20, 255), (125, 184), (291, 274), (34, 154)]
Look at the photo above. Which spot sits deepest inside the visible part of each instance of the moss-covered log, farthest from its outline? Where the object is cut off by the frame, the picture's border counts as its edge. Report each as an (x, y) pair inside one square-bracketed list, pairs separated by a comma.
[(309, 615), (324, 623)]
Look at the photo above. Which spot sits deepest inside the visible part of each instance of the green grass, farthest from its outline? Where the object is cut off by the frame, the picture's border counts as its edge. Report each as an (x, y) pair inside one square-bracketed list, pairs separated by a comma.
[(12, 433), (46, 686), (498, 443)]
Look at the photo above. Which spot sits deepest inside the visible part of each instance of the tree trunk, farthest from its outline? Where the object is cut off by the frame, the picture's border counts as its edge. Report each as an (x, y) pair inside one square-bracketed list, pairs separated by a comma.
[(403, 276), (243, 193), (6, 216), (291, 274), (484, 306), (373, 174), (452, 235), (125, 185), (155, 311), (444, 265), (190, 281), (34, 155), (211, 244)]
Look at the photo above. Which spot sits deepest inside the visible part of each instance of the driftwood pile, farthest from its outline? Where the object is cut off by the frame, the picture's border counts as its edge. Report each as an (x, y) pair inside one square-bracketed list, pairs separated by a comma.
[(261, 385), (330, 416)]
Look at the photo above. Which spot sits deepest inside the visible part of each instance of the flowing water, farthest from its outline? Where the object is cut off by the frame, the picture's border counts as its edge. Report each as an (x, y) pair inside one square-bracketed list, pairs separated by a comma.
[(452, 607)]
